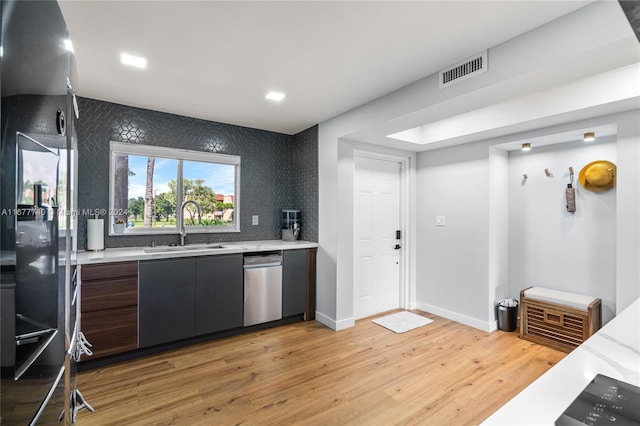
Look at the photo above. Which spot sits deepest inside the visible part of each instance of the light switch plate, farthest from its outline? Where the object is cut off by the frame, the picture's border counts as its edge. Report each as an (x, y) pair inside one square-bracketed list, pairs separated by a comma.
[(255, 220), (441, 221)]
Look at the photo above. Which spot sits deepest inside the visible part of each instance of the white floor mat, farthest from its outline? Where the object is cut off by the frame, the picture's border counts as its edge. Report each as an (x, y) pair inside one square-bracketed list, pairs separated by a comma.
[(402, 321)]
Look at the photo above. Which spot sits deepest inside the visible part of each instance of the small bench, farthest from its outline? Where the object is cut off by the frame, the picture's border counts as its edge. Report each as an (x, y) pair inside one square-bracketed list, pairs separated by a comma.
[(558, 319)]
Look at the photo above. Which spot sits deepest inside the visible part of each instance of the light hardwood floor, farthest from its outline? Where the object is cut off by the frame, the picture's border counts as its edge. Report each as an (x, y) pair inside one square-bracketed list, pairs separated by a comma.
[(444, 373)]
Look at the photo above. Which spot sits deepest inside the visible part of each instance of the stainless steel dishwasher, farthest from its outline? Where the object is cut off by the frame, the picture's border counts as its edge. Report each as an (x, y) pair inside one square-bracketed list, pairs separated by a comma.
[(262, 288)]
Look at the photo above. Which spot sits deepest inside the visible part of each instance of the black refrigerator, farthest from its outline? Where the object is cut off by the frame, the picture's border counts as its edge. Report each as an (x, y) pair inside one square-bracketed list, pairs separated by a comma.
[(37, 219)]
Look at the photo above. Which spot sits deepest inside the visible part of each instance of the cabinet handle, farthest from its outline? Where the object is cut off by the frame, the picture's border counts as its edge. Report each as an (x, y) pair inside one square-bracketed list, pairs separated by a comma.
[(554, 317)]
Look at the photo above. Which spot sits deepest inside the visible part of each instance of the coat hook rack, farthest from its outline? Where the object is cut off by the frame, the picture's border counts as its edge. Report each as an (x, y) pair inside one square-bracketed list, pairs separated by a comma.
[(547, 172)]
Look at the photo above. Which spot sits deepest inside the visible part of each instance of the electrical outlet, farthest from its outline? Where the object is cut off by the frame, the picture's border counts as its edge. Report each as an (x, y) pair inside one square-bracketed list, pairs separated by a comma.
[(255, 220)]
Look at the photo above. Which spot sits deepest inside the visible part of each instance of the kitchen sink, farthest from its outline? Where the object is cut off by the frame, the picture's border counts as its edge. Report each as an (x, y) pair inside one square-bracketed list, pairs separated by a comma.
[(173, 249)]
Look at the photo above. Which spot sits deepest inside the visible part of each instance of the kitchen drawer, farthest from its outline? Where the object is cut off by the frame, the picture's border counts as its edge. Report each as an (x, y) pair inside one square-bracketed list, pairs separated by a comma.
[(114, 293), (556, 325), (111, 331), (104, 271)]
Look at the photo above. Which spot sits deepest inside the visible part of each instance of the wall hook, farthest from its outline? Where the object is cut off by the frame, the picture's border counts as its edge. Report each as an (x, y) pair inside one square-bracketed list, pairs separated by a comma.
[(547, 172), (570, 175), (525, 175)]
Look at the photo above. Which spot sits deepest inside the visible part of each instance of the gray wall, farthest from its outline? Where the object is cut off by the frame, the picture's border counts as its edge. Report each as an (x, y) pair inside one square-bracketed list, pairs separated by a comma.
[(464, 267), (551, 247), (453, 261), (278, 171)]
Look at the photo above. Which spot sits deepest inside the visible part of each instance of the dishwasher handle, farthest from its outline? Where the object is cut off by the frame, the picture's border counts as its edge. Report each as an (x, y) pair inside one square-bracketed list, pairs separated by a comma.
[(264, 261), (262, 265)]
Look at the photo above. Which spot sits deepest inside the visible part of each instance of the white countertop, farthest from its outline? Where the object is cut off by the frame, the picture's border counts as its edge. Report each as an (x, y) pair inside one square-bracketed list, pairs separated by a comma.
[(613, 351), (139, 253)]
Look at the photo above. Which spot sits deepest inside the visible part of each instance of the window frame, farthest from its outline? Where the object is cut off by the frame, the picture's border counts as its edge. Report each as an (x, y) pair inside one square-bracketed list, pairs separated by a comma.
[(180, 155)]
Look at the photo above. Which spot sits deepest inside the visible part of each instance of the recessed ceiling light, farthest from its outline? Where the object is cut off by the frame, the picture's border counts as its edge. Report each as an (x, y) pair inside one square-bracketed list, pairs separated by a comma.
[(68, 45), (134, 61), (526, 146), (589, 136), (275, 96)]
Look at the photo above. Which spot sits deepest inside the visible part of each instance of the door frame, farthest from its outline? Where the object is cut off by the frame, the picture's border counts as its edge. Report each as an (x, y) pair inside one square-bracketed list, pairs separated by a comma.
[(405, 222)]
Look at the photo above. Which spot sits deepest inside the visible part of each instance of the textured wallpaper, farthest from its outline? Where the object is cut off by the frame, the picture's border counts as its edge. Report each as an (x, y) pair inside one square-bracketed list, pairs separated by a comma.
[(305, 181), (278, 171)]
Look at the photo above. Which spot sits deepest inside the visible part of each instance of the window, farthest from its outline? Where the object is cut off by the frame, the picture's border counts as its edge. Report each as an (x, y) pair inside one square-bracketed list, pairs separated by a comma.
[(149, 185)]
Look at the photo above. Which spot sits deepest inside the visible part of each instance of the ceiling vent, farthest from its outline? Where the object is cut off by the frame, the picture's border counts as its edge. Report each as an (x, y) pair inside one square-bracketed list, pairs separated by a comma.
[(462, 70)]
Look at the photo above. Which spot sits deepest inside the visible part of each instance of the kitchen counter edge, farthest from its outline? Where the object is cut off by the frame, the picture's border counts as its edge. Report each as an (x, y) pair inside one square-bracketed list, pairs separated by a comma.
[(613, 351), (138, 253)]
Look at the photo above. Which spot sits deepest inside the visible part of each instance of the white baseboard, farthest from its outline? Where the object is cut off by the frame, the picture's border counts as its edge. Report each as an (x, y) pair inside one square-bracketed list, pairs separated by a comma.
[(454, 316), (444, 313), (333, 324), (323, 319)]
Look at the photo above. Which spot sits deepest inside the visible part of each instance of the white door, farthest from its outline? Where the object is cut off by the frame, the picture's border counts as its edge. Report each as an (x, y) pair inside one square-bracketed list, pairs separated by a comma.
[(376, 219)]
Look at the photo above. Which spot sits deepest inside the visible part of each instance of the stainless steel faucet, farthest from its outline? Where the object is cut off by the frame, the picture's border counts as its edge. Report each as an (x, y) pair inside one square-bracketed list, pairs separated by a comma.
[(181, 228)]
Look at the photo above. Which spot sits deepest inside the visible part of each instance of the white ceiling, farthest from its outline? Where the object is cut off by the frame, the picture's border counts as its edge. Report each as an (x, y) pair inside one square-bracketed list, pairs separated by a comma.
[(216, 60)]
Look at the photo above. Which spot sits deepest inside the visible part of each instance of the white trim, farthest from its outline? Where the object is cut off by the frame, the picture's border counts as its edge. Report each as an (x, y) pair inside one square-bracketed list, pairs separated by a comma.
[(333, 324), (454, 316), (179, 155), (379, 156), (405, 224)]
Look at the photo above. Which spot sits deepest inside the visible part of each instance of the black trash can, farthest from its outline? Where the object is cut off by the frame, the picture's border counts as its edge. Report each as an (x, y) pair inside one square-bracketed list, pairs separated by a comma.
[(507, 314)]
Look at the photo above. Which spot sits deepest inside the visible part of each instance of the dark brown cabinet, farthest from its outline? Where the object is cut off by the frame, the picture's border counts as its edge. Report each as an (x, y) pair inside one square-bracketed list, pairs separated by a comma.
[(109, 307), (310, 313)]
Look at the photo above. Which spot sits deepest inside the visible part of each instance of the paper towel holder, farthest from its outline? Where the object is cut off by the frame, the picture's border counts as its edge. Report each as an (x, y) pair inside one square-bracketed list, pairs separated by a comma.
[(95, 234)]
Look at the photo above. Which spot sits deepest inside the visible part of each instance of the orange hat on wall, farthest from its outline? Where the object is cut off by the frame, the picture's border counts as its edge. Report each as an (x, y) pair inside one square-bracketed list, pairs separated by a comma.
[(598, 176)]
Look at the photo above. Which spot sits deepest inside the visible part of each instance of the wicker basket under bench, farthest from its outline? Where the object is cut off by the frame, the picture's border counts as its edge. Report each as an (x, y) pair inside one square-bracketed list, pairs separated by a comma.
[(558, 319)]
